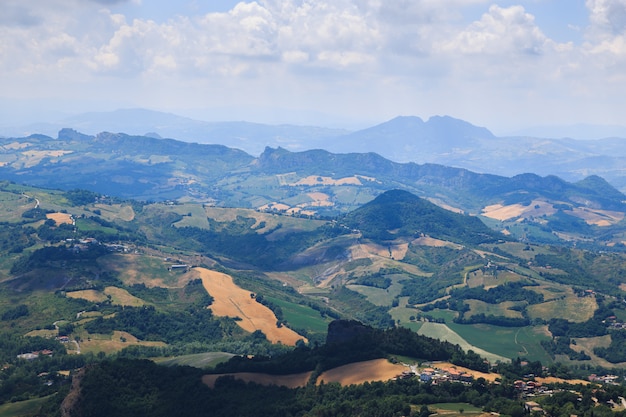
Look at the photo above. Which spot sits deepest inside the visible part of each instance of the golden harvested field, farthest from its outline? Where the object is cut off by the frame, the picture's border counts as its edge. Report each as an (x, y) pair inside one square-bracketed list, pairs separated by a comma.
[(396, 251), (116, 211), (354, 373), (320, 200), (430, 241), (318, 180), (233, 301), (60, 218), (122, 297), (554, 380), (598, 217), (35, 157), (567, 305), (93, 296), (289, 381), (500, 212), (118, 296), (491, 377), (360, 372), (114, 343)]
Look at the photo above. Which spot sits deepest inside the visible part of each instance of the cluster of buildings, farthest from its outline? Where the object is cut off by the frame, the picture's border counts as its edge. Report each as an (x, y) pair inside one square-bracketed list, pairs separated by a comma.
[(34, 355), (436, 375), (604, 379)]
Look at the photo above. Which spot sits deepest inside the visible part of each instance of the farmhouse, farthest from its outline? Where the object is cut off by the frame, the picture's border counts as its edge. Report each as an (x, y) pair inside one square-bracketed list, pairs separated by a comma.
[(178, 267)]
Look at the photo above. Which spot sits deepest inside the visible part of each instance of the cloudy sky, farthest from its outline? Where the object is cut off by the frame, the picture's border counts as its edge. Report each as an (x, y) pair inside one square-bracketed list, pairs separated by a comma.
[(496, 63)]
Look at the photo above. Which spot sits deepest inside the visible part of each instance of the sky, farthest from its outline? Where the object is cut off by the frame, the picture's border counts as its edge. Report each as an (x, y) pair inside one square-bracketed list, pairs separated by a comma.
[(501, 64)]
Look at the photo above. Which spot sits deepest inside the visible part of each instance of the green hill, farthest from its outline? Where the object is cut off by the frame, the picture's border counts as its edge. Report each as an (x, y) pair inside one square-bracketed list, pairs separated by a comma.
[(398, 213)]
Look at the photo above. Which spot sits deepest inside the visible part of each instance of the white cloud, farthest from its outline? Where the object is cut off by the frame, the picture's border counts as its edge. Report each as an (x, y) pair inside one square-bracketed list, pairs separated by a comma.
[(501, 31), (331, 54)]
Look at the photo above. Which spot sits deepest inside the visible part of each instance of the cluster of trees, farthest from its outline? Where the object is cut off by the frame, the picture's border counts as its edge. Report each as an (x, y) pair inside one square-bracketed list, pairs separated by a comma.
[(15, 238), (16, 312), (376, 280), (22, 379), (50, 255), (356, 305), (408, 215), (510, 291), (494, 320), (593, 327), (131, 387), (562, 346), (361, 343), (146, 323), (423, 290), (241, 242), (585, 269), (616, 351)]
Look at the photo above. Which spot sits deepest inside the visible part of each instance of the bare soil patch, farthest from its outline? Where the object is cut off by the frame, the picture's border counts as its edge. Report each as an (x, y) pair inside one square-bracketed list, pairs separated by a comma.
[(60, 218), (233, 301), (289, 381)]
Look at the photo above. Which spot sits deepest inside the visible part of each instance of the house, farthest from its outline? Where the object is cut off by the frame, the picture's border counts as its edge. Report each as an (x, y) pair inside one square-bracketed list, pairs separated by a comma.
[(532, 407)]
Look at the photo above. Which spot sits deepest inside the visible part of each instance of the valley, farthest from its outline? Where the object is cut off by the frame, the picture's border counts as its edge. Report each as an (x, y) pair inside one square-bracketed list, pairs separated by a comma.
[(261, 264)]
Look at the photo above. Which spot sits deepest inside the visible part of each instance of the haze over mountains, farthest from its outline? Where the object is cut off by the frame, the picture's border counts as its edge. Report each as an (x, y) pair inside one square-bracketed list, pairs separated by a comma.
[(440, 139)]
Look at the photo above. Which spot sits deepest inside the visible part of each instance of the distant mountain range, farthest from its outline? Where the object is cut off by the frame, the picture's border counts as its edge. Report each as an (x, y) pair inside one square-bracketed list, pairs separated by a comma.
[(312, 183), (441, 140)]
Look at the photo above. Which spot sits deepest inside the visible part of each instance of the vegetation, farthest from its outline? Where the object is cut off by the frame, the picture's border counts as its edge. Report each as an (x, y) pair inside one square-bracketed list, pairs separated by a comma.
[(429, 265)]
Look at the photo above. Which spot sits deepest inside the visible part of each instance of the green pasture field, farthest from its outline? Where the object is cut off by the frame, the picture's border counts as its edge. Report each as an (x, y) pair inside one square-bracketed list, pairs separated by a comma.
[(302, 317), (510, 342), (26, 408), (197, 360), (86, 225), (478, 278), (271, 220), (44, 308), (115, 212), (13, 205), (444, 332), (455, 409), (194, 215), (562, 303), (498, 310), (352, 195), (381, 296), (522, 250), (136, 269)]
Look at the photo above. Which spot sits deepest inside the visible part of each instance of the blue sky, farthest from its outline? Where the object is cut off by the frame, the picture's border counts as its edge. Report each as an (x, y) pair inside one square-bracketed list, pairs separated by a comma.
[(503, 64)]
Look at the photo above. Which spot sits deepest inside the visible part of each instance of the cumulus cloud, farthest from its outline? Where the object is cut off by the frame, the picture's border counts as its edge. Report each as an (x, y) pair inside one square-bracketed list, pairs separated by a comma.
[(501, 31), (607, 16), (404, 47)]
